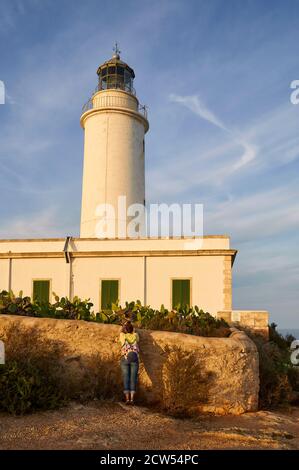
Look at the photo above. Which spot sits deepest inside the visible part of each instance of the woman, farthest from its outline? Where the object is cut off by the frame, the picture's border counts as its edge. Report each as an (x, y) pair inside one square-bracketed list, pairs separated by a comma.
[(129, 360)]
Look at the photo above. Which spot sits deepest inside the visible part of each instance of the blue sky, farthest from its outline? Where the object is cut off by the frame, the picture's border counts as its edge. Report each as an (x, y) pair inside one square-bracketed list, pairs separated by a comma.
[(216, 76)]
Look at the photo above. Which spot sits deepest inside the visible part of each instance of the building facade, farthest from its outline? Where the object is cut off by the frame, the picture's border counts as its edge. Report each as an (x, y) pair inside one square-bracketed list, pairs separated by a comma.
[(153, 271)]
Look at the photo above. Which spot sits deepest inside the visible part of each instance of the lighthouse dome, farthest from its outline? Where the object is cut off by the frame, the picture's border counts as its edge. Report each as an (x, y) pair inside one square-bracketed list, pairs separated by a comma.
[(114, 73)]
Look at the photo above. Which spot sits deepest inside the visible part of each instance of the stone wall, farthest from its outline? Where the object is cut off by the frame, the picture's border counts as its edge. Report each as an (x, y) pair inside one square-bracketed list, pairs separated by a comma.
[(255, 320), (230, 364)]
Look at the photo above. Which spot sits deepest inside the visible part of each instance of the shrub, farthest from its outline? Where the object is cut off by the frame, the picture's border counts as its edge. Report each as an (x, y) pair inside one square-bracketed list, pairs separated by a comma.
[(190, 320), (31, 379), (99, 378), (76, 309), (184, 320), (25, 387), (63, 308), (10, 304), (277, 374), (105, 377), (35, 377), (185, 385)]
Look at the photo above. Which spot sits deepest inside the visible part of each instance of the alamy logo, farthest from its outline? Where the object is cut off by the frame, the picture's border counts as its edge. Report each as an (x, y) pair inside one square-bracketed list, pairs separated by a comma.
[(2, 353), (155, 221), (294, 98), (295, 352), (2, 92)]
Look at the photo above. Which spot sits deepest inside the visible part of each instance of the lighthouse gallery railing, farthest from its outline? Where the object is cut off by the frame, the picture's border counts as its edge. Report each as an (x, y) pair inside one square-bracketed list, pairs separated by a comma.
[(112, 101)]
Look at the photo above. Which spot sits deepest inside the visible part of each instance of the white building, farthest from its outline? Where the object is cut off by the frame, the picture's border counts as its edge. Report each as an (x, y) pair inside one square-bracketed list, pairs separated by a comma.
[(156, 271)]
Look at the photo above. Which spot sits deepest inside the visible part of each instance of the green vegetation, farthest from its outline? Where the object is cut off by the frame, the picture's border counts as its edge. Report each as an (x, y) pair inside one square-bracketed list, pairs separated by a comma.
[(31, 378), (63, 308), (189, 320), (34, 378), (279, 378)]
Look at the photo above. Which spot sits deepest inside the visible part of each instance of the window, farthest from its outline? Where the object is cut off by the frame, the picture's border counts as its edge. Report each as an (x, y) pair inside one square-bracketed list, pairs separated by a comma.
[(180, 292), (41, 290), (120, 71), (117, 77), (109, 293)]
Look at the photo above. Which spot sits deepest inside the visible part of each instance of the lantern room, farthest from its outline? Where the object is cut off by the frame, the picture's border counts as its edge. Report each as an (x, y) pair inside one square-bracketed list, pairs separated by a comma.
[(115, 73)]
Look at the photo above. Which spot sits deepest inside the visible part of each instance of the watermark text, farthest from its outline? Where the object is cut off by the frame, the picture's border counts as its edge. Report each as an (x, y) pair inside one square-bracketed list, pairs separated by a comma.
[(155, 221), (294, 97), (2, 92), (295, 352)]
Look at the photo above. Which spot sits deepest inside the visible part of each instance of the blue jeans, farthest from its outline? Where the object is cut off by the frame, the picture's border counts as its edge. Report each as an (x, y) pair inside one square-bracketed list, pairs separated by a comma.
[(130, 374)]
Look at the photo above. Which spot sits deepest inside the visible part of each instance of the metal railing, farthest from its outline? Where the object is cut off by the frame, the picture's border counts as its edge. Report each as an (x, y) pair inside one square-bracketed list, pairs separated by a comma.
[(116, 86), (142, 109), (87, 106), (113, 101)]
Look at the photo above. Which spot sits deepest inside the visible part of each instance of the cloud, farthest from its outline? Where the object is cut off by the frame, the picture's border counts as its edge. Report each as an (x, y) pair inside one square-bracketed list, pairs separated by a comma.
[(46, 223), (255, 216), (8, 98), (11, 11), (33, 225), (250, 153), (266, 275), (269, 144), (41, 142), (253, 195), (196, 105)]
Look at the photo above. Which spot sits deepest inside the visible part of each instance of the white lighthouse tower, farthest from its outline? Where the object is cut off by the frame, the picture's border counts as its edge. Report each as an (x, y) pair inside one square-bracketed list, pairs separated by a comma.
[(114, 127)]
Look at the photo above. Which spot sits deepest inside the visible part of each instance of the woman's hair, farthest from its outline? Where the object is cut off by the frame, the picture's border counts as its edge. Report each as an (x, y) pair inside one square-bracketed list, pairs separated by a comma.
[(127, 313), (128, 327)]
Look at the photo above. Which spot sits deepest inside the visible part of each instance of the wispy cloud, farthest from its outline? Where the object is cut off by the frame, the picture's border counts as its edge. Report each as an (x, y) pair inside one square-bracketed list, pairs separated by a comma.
[(45, 223), (197, 106), (249, 154), (11, 11), (36, 225), (254, 216)]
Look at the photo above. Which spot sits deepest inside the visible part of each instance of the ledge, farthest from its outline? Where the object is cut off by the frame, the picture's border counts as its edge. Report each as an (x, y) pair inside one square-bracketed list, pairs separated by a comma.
[(117, 110), (123, 253), (15, 240)]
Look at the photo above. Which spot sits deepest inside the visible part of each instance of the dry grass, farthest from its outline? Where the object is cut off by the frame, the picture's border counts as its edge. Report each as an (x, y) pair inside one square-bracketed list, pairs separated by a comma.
[(102, 379), (186, 385)]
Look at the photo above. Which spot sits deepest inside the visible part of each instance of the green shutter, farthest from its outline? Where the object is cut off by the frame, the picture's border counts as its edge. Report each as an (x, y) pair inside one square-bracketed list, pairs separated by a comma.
[(41, 291), (180, 292), (109, 293)]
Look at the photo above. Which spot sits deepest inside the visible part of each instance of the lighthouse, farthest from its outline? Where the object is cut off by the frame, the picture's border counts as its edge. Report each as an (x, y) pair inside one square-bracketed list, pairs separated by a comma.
[(114, 126)]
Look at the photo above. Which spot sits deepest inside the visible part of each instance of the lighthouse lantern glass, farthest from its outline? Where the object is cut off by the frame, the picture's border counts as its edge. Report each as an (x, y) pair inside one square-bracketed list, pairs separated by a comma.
[(118, 77)]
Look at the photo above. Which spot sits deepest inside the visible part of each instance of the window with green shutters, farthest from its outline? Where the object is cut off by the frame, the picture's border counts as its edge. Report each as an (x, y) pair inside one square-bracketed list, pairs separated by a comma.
[(180, 292), (41, 290), (109, 292)]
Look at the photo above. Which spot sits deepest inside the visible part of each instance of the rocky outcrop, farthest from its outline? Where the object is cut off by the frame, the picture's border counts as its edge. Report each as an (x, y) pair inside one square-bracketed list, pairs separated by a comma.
[(230, 365)]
